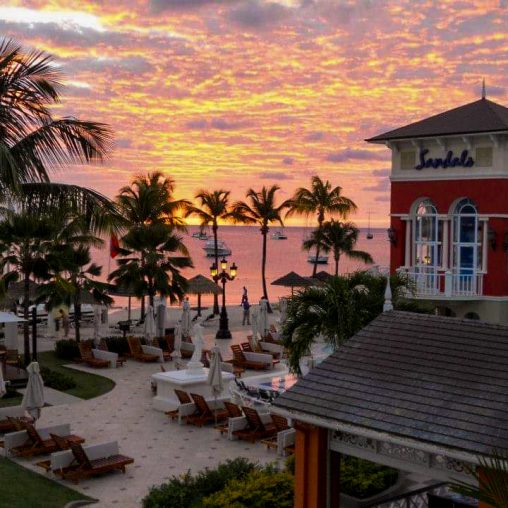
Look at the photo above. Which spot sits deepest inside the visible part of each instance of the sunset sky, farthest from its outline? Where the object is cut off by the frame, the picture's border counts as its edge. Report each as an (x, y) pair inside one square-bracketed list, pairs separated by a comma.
[(240, 93)]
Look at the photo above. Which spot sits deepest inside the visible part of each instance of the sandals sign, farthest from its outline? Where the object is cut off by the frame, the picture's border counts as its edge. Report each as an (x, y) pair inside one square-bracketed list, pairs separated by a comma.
[(450, 161)]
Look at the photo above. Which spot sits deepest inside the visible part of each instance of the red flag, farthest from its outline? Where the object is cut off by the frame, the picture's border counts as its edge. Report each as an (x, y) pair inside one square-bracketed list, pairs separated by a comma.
[(114, 246)]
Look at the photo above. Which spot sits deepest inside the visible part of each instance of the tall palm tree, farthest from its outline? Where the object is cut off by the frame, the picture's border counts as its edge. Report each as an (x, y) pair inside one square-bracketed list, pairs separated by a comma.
[(339, 238), (32, 141), (261, 209), (321, 199), (213, 208)]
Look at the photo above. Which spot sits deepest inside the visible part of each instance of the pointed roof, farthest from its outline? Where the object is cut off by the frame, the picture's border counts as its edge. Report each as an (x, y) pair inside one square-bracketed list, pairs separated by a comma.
[(473, 118), (201, 285), (291, 279)]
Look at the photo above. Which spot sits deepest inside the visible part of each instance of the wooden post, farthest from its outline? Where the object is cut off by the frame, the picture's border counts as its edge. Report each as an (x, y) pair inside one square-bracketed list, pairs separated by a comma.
[(311, 466)]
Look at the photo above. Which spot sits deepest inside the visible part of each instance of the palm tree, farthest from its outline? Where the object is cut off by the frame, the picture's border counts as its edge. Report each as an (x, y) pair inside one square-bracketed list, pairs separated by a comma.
[(337, 310), (320, 199), (339, 238), (23, 243), (32, 142), (213, 207), (148, 263), (263, 211)]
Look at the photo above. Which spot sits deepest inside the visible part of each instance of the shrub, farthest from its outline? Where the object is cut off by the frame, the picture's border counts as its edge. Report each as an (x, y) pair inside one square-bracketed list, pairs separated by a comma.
[(117, 344), (187, 491), (67, 349), (290, 464), (57, 380), (260, 489), (361, 478)]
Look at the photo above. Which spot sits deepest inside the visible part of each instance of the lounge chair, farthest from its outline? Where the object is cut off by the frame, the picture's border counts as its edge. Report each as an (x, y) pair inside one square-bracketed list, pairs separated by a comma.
[(13, 358), (9, 418), (247, 348), (183, 398), (139, 352), (82, 462), (248, 360), (281, 425), (228, 366), (255, 428), (205, 413), (103, 346), (32, 442), (234, 411), (87, 357), (187, 349)]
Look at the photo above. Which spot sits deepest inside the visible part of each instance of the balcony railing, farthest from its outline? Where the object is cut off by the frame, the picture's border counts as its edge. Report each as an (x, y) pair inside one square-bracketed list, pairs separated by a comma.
[(427, 282)]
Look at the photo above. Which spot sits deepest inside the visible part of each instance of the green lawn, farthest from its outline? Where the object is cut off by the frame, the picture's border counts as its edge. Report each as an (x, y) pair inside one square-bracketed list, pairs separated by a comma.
[(88, 385), (21, 488)]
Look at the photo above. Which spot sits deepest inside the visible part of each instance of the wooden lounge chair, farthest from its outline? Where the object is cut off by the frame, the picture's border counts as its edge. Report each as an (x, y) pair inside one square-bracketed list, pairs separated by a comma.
[(204, 413), (137, 351), (234, 411), (229, 366), (247, 348), (86, 467), (35, 445), (183, 398), (87, 357), (10, 424), (170, 342), (13, 359), (240, 359), (103, 346), (281, 424), (256, 429)]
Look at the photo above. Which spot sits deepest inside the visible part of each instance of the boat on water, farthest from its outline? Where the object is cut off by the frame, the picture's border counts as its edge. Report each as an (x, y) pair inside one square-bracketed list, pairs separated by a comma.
[(222, 248), (200, 235), (370, 236), (319, 260), (279, 235)]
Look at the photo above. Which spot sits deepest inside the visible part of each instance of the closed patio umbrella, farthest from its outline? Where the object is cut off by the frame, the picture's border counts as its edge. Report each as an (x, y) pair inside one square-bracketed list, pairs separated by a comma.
[(215, 380), (33, 400), (149, 325), (254, 324), (186, 319), (176, 355), (161, 318), (283, 309), (96, 324), (263, 318), (3, 389), (200, 285)]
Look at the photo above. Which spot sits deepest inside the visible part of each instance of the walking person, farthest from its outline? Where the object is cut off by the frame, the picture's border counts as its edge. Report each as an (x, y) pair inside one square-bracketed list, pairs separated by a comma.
[(65, 322), (246, 311)]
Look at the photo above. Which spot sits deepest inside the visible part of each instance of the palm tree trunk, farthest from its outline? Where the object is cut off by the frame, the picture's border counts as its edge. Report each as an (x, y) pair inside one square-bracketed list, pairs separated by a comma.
[(26, 328), (321, 219), (264, 232), (77, 316), (337, 258), (215, 228)]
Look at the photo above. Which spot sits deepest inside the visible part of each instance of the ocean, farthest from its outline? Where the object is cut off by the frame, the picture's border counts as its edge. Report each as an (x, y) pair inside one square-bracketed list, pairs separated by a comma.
[(283, 256)]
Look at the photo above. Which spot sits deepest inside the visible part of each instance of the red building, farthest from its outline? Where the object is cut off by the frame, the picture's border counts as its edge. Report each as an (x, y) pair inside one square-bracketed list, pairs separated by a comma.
[(449, 209)]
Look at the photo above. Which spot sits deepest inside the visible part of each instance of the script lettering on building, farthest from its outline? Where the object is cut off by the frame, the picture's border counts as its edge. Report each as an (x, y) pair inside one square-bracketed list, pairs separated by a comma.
[(450, 161)]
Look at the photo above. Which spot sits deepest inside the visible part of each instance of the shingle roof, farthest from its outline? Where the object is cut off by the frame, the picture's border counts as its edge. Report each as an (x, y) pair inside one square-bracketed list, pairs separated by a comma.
[(439, 380), (479, 116)]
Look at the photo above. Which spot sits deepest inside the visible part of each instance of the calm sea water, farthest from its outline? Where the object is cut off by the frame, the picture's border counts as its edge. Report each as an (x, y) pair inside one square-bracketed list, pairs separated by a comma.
[(283, 256)]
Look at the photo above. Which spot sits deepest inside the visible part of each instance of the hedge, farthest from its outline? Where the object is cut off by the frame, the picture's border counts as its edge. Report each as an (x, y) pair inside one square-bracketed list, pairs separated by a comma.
[(57, 380)]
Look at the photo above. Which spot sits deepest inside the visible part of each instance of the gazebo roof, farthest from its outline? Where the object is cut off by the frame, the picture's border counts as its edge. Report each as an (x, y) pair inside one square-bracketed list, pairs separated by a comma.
[(292, 279), (430, 379), (202, 285)]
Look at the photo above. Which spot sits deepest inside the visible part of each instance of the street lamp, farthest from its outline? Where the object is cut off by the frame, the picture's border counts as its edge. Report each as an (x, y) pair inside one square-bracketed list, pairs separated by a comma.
[(223, 276)]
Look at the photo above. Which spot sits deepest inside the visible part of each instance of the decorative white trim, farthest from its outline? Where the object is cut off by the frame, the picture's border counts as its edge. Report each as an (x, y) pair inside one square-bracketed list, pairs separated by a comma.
[(442, 177)]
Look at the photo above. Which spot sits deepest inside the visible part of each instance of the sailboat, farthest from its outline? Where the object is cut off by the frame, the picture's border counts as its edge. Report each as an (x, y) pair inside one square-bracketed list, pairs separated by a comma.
[(370, 236)]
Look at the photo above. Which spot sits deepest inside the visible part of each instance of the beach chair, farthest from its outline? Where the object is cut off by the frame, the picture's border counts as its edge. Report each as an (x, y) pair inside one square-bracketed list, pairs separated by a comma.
[(187, 349), (170, 342), (103, 346), (137, 351), (86, 356), (13, 359), (275, 350), (35, 444), (248, 360), (10, 418), (256, 428), (183, 398), (234, 411), (91, 461), (229, 366), (204, 413), (281, 425)]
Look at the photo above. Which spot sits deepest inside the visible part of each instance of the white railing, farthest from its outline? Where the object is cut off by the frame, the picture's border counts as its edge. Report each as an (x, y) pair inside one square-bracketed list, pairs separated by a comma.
[(429, 282)]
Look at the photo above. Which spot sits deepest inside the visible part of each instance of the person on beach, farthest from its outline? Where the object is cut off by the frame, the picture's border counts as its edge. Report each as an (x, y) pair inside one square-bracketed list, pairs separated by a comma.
[(65, 322), (244, 295), (246, 311)]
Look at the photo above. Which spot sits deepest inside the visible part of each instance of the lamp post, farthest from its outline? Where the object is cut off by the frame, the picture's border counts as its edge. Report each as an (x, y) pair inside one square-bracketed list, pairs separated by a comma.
[(223, 277)]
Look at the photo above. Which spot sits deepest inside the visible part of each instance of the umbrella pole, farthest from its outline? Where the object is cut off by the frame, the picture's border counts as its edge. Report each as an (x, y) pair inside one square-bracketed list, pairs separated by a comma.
[(199, 304), (34, 333), (129, 309)]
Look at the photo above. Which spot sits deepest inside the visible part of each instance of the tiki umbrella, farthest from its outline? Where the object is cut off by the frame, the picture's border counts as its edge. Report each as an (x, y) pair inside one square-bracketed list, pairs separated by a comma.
[(200, 285), (291, 280), (33, 400), (3, 390), (149, 325), (16, 290)]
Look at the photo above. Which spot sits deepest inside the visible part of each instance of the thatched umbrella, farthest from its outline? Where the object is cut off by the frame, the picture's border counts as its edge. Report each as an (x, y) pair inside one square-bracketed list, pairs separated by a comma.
[(200, 285), (16, 290), (292, 280), (323, 276)]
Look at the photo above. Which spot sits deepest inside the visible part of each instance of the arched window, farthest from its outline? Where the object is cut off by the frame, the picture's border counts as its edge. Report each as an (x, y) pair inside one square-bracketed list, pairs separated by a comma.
[(467, 239), (428, 236)]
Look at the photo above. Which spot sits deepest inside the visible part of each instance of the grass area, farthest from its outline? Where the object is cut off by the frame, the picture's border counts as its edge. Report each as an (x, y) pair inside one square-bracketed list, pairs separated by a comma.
[(21, 488), (11, 399), (88, 385)]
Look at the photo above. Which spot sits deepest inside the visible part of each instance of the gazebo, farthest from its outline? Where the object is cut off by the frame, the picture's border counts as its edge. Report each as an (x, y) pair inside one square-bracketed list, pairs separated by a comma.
[(421, 393), (200, 285), (292, 280)]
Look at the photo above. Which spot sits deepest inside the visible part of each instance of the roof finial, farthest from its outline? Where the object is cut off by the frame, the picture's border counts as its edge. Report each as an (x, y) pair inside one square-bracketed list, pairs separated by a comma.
[(484, 92), (387, 306)]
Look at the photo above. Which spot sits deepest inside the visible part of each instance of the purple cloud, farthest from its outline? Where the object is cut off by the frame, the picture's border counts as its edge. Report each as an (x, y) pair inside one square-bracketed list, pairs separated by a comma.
[(288, 161), (314, 136), (255, 14), (353, 154), (274, 175)]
